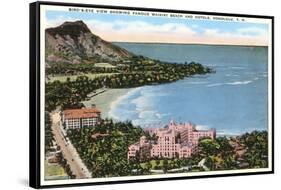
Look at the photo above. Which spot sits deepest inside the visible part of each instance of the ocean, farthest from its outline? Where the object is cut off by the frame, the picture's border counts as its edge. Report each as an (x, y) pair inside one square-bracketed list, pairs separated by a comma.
[(233, 100)]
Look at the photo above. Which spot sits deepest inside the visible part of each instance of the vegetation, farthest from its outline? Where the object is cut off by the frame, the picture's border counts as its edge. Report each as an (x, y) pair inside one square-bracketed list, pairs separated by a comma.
[(136, 65), (64, 78), (104, 151), (81, 79), (49, 137), (70, 93), (256, 146), (67, 69), (106, 155), (104, 65), (249, 150), (64, 163), (218, 153), (61, 168), (54, 170)]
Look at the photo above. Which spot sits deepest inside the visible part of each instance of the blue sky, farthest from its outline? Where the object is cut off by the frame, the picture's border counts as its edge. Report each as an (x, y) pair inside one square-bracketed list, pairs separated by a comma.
[(163, 29)]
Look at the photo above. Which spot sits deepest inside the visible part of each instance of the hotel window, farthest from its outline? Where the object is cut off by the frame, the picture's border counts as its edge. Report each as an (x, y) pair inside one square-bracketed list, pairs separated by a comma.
[(85, 122), (94, 120), (90, 122)]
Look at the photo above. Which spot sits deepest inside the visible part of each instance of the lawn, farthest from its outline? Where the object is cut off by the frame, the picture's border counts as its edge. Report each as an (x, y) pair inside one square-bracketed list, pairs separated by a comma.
[(54, 170), (106, 65), (153, 163)]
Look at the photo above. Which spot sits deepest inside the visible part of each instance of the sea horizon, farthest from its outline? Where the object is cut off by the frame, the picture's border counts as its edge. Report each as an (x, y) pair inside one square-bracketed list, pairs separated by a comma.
[(199, 44)]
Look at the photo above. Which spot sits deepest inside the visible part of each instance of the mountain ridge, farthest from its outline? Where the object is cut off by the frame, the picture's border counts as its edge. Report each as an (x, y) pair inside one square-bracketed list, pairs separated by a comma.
[(74, 43)]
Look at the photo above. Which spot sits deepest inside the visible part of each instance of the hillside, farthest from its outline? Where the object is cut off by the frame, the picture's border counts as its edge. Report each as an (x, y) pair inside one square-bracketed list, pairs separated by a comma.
[(73, 42)]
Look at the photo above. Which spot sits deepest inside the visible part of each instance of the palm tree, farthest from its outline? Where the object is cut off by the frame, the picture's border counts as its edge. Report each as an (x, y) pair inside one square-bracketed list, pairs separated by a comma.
[(165, 165), (49, 137), (256, 144)]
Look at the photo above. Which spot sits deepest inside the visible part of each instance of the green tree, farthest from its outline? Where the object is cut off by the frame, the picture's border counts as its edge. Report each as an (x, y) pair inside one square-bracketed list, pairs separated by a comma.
[(165, 165), (49, 137), (256, 145)]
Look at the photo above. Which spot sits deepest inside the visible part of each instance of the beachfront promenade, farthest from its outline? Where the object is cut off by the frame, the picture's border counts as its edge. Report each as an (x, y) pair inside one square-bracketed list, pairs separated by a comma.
[(77, 166)]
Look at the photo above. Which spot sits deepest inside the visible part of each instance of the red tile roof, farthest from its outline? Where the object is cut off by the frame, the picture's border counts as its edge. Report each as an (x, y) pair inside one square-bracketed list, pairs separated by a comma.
[(81, 113)]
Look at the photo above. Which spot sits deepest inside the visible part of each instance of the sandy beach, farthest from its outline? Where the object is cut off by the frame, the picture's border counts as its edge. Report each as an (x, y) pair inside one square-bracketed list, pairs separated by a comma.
[(103, 100)]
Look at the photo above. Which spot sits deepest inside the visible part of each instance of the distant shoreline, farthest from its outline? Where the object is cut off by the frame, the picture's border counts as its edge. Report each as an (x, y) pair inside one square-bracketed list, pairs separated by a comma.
[(171, 43)]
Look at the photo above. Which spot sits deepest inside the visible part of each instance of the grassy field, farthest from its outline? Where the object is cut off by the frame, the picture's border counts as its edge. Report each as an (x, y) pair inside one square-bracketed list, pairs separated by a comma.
[(106, 65), (63, 78), (54, 170), (153, 163)]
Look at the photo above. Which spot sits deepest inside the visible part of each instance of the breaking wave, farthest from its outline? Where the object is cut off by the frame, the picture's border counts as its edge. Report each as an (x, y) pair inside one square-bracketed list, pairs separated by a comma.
[(231, 83)]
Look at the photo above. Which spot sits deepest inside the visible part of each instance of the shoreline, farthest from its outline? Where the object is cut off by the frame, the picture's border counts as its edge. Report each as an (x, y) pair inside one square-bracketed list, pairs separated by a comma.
[(107, 98), (104, 100)]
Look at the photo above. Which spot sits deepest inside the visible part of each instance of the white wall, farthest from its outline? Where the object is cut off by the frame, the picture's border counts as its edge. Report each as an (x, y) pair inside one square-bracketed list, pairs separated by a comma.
[(14, 92)]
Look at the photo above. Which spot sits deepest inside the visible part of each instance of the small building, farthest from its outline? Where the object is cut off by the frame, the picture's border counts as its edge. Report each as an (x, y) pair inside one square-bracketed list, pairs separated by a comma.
[(142, 148), (78, 118), (133, 150)]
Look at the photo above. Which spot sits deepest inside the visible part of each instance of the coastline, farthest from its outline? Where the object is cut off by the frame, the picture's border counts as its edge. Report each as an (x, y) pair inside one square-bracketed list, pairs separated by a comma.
[(107, 99), (104, 100)]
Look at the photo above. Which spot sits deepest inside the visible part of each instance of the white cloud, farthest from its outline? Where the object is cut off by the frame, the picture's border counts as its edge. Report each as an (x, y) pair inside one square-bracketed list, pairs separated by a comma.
[(211, 32), (243, 36), (140, 26), (252, 31), (202, 127), (241, 32), (140, 31)]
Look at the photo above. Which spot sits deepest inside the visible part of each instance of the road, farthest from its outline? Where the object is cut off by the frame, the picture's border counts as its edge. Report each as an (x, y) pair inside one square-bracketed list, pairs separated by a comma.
[(77, 166)]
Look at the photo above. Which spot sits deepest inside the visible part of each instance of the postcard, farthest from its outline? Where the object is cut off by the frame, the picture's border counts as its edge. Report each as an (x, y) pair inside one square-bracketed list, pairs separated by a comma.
[(135, 94)]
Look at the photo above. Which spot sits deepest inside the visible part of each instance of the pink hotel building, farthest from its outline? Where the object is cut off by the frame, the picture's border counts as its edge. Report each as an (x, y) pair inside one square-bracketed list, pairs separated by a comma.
[(177, 140)]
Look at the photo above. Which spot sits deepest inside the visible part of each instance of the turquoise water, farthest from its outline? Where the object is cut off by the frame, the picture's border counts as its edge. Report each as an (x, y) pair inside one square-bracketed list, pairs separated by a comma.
[(233, 100)]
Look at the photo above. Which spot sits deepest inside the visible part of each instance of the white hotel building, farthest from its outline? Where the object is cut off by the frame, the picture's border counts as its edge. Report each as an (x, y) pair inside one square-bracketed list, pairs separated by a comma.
[(78, 118)]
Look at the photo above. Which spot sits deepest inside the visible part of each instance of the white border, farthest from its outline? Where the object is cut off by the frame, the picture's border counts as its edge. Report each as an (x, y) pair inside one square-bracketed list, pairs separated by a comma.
[(42, 93), (43, 8)]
